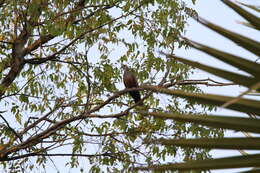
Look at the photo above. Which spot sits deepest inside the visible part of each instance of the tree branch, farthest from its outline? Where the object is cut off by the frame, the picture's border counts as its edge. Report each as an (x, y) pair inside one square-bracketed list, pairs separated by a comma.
[(54, 55), (88, 114), (59, 155), (42, 40), (16, 93), (8, 125), (207, 82)]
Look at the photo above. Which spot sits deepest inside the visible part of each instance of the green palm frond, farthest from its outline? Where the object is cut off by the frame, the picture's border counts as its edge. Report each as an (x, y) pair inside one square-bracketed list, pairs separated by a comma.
[(253, 7), (245, 105), (245, 42), (217, 121), (221, 163), (254, 20), (223, 143), (236, 61), (240, 79)]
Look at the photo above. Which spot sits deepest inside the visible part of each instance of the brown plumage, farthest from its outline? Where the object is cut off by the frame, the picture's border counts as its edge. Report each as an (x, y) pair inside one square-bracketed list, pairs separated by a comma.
[(130, 81)]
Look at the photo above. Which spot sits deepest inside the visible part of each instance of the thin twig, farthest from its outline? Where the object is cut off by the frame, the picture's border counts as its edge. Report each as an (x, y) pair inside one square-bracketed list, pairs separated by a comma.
[(54, 55), (254, 87), (58, 154), (8, 125)]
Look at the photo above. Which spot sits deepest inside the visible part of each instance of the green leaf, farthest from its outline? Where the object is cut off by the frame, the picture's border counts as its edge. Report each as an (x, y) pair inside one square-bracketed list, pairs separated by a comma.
[(24, 98), (216, 143), (217, 121), (18, 117)]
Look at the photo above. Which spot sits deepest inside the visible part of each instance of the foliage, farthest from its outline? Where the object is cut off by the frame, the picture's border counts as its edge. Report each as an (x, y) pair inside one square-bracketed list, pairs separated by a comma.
[(60, 79), (250, 107)]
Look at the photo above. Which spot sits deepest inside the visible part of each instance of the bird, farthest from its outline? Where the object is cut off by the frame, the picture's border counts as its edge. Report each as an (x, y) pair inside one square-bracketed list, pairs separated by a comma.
[(130, 81)]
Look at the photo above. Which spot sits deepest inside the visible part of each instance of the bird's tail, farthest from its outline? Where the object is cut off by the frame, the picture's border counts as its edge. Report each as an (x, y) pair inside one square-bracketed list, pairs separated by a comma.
[(136, 96)]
